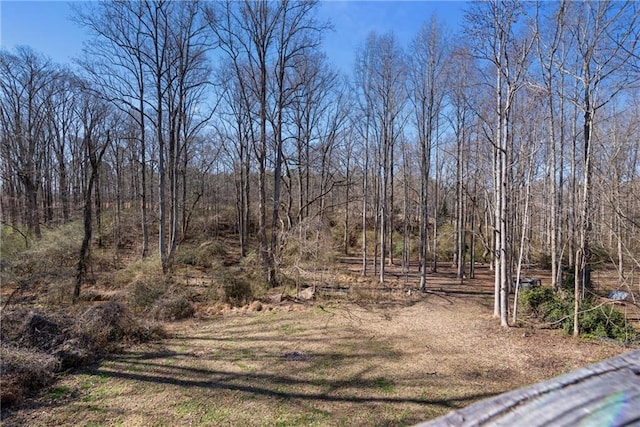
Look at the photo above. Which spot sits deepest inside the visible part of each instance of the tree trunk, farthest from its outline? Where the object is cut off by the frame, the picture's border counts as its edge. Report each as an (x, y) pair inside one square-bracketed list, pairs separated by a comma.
[(365, 182), (83, 258), (95, 159)]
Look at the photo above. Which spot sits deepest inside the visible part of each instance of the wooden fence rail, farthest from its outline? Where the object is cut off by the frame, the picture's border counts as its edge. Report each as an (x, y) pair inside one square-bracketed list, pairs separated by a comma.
[(604, 394)]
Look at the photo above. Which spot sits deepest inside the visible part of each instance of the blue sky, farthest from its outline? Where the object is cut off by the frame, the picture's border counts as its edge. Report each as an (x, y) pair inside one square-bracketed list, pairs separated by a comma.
[(46, 27)]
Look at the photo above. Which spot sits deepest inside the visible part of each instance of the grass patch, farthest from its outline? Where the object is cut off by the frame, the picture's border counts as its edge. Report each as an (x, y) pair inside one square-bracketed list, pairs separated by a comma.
[(290, 329), (96, 408), (58, 392), (104, 391), (384, 384), (244, 354), (187, 407), (87, 381), (214, 416), (201, 412), (310, 417), (245, 367)]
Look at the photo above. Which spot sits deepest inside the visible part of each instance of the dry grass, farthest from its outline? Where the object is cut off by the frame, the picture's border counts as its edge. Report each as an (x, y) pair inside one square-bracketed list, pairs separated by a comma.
[(393, 362), (368, 355)]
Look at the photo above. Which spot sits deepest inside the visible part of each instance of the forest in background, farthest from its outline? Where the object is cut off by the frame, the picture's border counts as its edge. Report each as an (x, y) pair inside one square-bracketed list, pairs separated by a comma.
[(512, 143)]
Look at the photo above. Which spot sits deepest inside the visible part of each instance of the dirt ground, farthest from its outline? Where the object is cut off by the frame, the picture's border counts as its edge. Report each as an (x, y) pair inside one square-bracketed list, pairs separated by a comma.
[(396, 359)]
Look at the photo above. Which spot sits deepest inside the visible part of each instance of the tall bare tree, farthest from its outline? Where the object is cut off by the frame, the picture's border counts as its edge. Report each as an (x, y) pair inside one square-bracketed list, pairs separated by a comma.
[(93, 114), (116, 60), (247, 33), (265, 41), (493, 27), (552, 55), (604, 37), (25, 81), (149, 58), (426, 91), (381, 77)]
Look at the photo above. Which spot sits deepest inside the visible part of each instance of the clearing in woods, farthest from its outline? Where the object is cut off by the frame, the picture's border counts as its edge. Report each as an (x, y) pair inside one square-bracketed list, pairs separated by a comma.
[(395, 358)]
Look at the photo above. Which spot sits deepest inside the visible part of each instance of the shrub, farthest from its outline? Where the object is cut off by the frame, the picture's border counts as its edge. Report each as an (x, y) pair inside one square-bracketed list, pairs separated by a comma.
[(57, 250), (172, 307), (237, 291), (537, 300), (103, 327), (147, 270), (251, 266), (310, 244), (143, 296), (223, 222), (206, 255), (208, 252), (542, 260), (36, 344), (13, 243), (443, 255), (568, 279), (59, 293), (596, 320), (24, 370)]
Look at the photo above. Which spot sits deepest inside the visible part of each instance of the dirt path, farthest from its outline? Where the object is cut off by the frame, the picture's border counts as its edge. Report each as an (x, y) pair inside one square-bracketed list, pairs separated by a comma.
[(392, 363)]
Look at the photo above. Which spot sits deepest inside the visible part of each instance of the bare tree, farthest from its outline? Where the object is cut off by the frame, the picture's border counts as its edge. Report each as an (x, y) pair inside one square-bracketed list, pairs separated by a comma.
[(604, 39), (492, 25), (237, 132), (298, 34), (381, 75), (25, 81), (61, 107), (117, 62), (150, 60), (92, 113), (265, 41), (551, 55), (461, 84), (427, 85), (186, 81)]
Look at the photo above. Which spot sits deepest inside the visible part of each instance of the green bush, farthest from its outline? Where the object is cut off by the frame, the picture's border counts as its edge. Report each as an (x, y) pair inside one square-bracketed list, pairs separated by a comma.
[(596, 320), (568, 279), (604, 321), (537, 301), (559, 312), (13, 243)]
